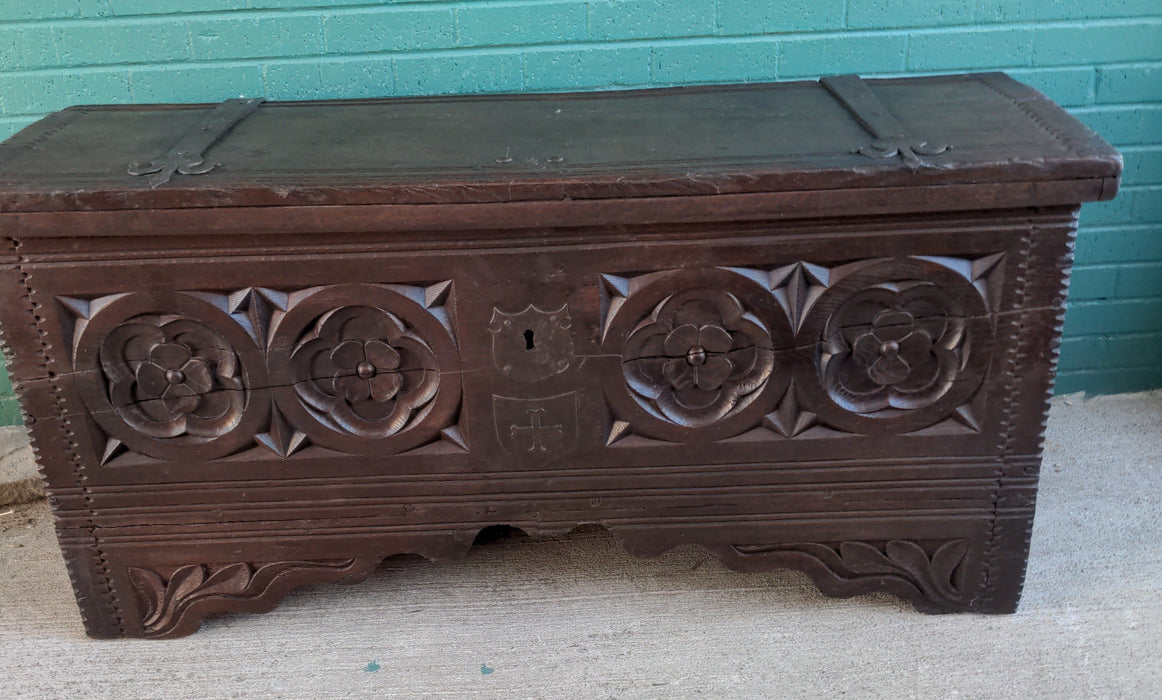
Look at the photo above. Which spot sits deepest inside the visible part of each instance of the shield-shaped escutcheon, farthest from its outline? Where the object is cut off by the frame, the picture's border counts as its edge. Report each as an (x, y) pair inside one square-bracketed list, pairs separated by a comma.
[(533, 344)]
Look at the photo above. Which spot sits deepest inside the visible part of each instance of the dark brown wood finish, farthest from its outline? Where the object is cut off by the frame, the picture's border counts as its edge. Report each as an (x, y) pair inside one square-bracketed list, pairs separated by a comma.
[(801, 325)]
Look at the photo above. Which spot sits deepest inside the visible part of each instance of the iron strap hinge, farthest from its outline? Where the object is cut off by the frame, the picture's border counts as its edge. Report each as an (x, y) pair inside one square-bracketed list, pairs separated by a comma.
[(891, 138), (186, 157)]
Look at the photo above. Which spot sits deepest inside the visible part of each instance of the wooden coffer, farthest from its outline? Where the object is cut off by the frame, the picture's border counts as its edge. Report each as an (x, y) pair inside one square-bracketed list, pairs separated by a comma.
[(809, 325)]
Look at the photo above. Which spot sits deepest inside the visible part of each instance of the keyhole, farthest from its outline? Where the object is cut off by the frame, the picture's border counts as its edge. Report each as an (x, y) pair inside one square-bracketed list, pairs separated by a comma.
[(529, 339)]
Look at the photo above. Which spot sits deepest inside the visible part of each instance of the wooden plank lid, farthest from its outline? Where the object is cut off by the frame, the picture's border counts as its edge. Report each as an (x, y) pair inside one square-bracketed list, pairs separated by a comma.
[(839, 133)]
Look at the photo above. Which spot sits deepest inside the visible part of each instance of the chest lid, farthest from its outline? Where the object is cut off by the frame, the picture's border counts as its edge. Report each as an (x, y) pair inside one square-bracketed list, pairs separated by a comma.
[(840, 133)]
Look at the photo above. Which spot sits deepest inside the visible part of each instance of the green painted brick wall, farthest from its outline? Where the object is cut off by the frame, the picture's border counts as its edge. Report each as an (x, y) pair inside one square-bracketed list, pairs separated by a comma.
[(1101, 59)]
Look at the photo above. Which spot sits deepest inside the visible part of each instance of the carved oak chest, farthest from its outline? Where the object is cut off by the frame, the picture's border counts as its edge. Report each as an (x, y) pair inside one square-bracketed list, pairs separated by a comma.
[(808, 325)]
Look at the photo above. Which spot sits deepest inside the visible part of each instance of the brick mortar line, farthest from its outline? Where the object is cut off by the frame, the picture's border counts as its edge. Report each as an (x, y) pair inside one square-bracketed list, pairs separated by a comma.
[(1116, 107), (1147, 370), (664, 40), (243, 14), (1104, 302), (261, 62), (508, 49), (22, 117), (1107, 336), (1107, 228), (440, 52), (1128, 263), (323, 11), (523, 50)]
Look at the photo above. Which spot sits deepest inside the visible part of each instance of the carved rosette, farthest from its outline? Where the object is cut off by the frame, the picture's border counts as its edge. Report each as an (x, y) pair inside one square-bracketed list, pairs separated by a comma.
[(196, 376), (901, 344), (698, 352), (177, 383), (170, 376), (698, 358), (894, 345), (365, 368), (364, 372)]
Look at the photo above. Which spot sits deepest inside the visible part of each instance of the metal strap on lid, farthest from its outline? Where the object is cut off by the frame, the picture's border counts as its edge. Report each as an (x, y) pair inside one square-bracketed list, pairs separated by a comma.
[(891, 139), (186, 157)]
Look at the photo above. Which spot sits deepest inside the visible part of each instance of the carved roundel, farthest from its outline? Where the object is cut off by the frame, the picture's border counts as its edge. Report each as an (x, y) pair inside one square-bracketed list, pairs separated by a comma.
[(170, 375), (364, 368), (902, 343), (699, 354)]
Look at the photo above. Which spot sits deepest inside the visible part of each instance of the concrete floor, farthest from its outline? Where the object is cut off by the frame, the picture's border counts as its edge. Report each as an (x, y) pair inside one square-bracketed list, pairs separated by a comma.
[(19, 481), (576, 617)]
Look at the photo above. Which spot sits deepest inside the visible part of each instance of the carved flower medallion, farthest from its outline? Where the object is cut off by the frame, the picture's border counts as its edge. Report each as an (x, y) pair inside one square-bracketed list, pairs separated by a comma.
[(698, 357), (893, 346), (364, 371), (169, 376)]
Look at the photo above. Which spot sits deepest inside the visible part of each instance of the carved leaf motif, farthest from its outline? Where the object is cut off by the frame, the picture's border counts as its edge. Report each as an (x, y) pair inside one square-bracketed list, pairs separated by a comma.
[(911, 558), (899, 559), (182, 585), (910, 561), (863, 558), (232, 579), (149, 588), (944, 563), (163, 603)]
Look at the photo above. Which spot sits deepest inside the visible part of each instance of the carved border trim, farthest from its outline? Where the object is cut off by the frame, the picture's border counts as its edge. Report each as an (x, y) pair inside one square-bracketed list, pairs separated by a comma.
[(73, 456), (1034, 115), (1011, 362), (173, 601)]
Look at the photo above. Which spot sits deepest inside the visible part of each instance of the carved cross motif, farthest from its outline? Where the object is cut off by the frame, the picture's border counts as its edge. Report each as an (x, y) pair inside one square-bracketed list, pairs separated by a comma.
[(533, 428), (536, 431)]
